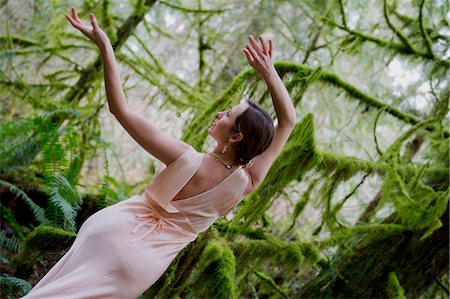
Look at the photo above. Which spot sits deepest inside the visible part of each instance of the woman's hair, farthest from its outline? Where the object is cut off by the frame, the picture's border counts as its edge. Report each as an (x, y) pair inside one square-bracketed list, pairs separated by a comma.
[(257, 129)]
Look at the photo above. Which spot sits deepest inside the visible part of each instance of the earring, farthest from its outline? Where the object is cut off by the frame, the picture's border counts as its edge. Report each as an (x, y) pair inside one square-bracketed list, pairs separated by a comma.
[(224, 149)]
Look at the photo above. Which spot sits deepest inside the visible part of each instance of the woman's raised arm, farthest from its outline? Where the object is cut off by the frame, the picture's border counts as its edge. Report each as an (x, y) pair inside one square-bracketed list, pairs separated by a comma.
[(261, 59), (161, 145)]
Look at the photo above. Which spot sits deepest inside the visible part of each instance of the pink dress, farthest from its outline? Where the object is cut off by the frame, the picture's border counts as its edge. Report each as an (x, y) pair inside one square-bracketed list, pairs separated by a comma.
[(121, 250)]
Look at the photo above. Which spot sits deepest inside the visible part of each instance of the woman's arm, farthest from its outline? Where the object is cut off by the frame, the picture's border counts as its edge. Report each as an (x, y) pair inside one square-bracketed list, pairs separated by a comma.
[(113, 84), (162, 146), (260, 58)]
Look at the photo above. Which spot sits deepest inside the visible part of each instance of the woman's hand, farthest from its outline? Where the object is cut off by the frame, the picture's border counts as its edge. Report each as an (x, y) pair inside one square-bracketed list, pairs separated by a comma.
[(94, 33), (260, 58)]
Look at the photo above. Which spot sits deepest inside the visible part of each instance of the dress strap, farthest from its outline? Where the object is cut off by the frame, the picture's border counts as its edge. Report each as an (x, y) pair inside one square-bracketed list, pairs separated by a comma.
[(173, 178)]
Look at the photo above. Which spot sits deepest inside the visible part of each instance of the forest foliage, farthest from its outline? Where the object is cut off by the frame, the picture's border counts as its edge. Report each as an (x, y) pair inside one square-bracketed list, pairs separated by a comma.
[(356, 205)]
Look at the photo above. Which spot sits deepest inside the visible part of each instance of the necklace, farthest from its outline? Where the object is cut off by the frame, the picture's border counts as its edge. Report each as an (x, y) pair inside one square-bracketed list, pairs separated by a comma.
[(221, 161)]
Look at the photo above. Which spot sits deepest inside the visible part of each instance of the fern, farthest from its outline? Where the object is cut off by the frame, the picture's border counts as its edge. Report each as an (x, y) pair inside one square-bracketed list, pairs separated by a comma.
[(38, 212), (17, 145), (11, 221), (63, 198), (9, 243), (10, 284), (21, 141)]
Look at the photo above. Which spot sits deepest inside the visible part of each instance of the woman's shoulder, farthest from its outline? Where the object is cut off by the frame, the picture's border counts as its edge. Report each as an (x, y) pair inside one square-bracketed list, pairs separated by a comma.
[(189, 154)]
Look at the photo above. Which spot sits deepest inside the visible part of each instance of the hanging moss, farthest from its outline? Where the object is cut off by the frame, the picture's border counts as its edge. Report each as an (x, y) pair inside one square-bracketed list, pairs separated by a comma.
[(253, 252), (417, 206), (269, 281), (394, 289), (226, 227), (361, 234), (216, 272), (297, 157), (354, 93), (301, 204), (310, 252)]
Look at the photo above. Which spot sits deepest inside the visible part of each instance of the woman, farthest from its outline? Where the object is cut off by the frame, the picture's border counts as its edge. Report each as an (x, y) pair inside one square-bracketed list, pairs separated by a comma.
[(122, 250)]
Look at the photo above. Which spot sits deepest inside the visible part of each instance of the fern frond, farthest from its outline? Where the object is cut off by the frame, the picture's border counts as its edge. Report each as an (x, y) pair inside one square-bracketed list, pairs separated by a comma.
[(9, 284), (38, 212), (9, 243), (64, 196)]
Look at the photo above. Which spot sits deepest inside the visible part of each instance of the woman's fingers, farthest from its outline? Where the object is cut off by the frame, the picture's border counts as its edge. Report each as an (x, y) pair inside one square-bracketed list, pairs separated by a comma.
[(249, 56), (75, 15), (94, 22), (72, 21), (252, 52), (263, 44), (255, 45)]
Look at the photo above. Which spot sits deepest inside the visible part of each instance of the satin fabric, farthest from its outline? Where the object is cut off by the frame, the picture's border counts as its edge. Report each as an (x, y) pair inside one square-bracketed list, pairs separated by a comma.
[(123, 249)]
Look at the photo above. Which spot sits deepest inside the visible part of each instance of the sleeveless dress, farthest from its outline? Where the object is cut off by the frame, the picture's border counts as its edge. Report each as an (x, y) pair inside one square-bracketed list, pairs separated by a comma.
[(123, 249)]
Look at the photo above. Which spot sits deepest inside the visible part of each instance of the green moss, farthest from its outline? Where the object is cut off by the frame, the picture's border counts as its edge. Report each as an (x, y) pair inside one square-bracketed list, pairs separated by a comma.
[(251, 253), (42, 241), (394, 289), (269, 281), (362, 234), (216, 272), (196, 133), (297, 157), (301, 204), (354, 93)]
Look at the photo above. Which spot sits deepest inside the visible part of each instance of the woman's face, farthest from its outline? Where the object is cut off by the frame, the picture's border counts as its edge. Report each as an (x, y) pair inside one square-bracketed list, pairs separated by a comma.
[(221, 127)]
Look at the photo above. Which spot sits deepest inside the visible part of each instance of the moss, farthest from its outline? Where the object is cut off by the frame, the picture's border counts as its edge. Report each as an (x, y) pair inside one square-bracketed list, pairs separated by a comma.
[(196, 133), (362, 234), (269, 281), (297, 157), (397, 32), (301, 204), (394, 289), (216, 271), (42, 241), (310, 252), (354, 93), (251, 253)]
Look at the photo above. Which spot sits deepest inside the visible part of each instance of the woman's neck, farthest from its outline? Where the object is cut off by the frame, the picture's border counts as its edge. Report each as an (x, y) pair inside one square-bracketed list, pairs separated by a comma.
[(228, 157)]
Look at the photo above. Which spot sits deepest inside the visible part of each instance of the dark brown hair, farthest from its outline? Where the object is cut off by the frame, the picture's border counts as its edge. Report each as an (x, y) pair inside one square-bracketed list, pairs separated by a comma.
[(257, 129)]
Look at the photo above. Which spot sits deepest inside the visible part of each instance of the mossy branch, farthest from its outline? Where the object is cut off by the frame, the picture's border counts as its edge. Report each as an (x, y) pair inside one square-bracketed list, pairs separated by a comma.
[(193, 10), (341, 9), (254, 252), (397, 32), (92, 73), (425, 35), (17, 39), (183, 86), (352, 91), (375, 131), (389, 45), (271, 283)]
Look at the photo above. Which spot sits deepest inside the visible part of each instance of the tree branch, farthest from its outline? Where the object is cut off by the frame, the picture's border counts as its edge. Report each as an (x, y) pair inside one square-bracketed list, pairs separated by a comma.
[(424, 33), (397, 32)]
